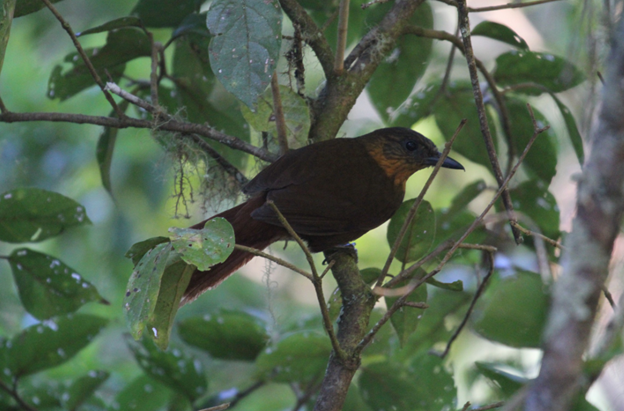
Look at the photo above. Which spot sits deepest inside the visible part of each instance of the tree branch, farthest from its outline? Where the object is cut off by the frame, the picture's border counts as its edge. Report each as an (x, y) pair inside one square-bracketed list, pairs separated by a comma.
[(600, 205), (84, 57), (129, 122), (331, 108), (311, 34), (464, 24)]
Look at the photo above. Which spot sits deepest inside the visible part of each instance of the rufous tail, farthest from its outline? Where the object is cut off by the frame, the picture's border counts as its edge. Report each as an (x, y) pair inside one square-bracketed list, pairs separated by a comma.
[(247, 232)]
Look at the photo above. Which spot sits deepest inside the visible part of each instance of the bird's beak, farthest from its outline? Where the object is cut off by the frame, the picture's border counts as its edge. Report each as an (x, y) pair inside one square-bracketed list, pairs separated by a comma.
[(448, 163)]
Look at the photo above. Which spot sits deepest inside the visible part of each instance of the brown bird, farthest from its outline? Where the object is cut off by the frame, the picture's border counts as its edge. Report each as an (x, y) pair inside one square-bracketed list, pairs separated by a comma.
[(331, 193)]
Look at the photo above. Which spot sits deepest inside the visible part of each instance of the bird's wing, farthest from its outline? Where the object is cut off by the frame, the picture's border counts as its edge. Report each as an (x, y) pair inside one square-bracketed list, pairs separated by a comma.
[(323, 193)]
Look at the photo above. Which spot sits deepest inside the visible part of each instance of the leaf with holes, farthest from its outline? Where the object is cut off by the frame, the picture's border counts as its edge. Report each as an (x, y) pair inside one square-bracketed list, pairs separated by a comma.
[(422, 384), (82, 388), (177, 370), (246, 44), (296, 115), (499, 32), (420, 235), (406, 319), (228, 335), (513, 310), (397, 75), (552, 72), (144, 286), (301, 356), (172, 286), (206, 247), (47, 287), (51, 343), (33, 215)]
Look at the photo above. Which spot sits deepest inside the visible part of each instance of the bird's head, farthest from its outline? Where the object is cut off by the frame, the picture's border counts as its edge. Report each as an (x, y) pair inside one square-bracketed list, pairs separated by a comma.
[(401, 152)]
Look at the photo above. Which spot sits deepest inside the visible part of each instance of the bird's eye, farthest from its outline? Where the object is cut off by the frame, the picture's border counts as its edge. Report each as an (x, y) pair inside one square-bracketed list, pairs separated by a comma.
[(411, 145)]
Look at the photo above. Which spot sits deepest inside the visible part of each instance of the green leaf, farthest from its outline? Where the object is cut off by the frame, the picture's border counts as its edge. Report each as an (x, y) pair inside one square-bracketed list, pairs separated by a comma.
[(444, 307), (406, 319), (63, 85), (300, 356), (541, 160), (370, 274), (122, 22), (499, 32), (422, 385), (122, 45), (229, 335), (533, 199), (203, 98), (138, 250), (180, 372), (33, 215), (553, 72), (513, 310), (296, 115), (573, 132), (506, 382), (453, 106), (82, 388), (172, 286), (143, 288), (245, 49), (396, 77), (51, 343), (419, 237), (24, 7), (419, 106), (105, 147), (165, 13), (142, 394), (464, 197), (193, 23), (8, 8), (457, 285), (47, 287), (204, 248)]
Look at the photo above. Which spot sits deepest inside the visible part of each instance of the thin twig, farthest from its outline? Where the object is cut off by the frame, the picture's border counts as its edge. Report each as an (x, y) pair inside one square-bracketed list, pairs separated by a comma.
[(415, 304), (276, 260), (464, 24), (412, 212), (156, 46), (278, 112), (509, 6), (295, 236), (311, 34), (128, 122), (439, 249), (3, 108), (326, 270), (532, 233), (316, 281), (221, 407), (408, 289), (343, 23), (13, 393), (84, 57), (370, 3), (480, 289)]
